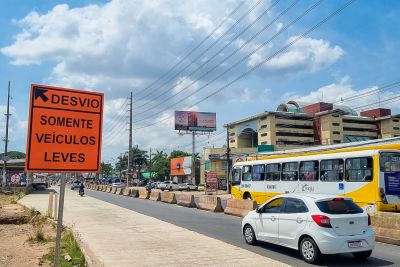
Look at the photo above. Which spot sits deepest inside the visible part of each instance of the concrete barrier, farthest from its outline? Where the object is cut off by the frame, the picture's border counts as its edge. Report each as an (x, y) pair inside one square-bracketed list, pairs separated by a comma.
[(134, 192), (143, 193), (155, 195), (114, 190), (119, 191), (97, 187), (239, 207), (108, 189), (51, 205), (386, 226), (168, 197), (127, 192), (186, 200), (211, 203)]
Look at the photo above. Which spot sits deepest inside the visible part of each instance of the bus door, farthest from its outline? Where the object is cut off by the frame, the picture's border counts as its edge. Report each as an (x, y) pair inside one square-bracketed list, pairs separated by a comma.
[(245, 184), (236, 180), (389, 178)]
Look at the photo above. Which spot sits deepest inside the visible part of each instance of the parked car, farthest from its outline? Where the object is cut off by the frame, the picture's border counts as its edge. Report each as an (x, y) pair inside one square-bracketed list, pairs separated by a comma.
[(169, 185), (75, 184), (200, 187), (118, 185), (187, 187), (155, 185), (314, 224)]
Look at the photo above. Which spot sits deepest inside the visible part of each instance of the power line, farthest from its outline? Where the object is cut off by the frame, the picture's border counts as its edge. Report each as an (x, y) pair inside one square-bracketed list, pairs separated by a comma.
[(323, 21), (387, 101), (218, 52), (193, 50), (243, 59)]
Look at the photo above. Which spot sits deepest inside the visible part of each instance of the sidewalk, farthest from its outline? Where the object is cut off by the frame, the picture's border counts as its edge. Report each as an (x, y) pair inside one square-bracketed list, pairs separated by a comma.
[(114, 236)]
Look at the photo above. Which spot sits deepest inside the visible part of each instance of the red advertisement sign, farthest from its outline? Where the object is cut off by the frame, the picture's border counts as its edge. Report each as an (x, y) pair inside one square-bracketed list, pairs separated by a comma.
[(211, 182)]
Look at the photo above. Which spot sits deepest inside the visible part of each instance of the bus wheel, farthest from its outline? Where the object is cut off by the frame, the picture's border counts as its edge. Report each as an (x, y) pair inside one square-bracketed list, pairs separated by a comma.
[(247, 196)]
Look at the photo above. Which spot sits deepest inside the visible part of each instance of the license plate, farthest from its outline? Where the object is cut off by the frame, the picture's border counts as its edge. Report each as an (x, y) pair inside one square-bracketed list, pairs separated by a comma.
[(354, 244)]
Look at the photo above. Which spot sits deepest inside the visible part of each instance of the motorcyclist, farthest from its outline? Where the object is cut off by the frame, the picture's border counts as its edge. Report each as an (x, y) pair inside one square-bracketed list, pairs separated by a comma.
[(149, 187), (81, 188)]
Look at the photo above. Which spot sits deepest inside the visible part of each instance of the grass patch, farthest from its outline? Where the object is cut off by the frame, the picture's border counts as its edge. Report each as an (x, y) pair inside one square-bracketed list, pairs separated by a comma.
[(38, 235), (70, 247), (39, 222), (15, 197)]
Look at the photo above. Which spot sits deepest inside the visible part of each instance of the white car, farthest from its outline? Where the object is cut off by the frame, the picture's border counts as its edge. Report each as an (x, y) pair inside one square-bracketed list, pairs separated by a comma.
[(169, 185), (314, 224), (187, 187), (118, 185)]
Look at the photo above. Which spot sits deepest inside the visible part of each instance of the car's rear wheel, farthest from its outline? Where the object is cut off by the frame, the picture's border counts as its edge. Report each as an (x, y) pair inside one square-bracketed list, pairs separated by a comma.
[(309, 250), (362, 255), (249, 235)]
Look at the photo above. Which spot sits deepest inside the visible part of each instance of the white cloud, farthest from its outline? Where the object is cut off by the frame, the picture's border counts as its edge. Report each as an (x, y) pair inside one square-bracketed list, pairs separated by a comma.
[(306, 55)]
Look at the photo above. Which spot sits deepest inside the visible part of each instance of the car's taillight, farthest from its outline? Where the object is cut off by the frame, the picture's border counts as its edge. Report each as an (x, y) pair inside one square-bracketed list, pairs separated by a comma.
[(322, 220), (369, 219)]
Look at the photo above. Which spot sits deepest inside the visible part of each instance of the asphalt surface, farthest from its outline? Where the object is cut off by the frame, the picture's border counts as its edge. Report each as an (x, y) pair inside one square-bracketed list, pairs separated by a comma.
[(228, 229)]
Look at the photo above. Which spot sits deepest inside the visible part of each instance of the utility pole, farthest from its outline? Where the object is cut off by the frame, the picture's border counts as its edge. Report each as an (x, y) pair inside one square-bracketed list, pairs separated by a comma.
[(228, 161), (151, 167), (6, 138), (193, 158), (130, 141)]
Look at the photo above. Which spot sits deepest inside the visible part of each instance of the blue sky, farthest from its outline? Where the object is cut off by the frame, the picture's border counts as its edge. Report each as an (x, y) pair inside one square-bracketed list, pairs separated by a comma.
[(121, 46)]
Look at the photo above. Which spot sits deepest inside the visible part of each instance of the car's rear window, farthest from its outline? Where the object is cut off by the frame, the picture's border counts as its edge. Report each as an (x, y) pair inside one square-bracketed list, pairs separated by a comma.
[(344, 206)]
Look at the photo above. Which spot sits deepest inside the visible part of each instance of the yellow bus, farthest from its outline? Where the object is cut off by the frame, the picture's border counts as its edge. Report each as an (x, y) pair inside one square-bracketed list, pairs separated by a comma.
[(369, 174)]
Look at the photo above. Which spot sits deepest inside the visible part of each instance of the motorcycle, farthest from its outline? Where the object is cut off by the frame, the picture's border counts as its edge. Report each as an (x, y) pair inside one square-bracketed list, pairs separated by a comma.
[(81, 192)]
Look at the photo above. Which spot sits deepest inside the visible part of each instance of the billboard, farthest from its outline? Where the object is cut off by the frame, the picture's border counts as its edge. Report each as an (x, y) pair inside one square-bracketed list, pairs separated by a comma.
[(181, 166), (195, 121)]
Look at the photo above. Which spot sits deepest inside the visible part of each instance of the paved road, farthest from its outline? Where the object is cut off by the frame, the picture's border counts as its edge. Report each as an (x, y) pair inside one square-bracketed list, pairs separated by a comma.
[(227, 229)]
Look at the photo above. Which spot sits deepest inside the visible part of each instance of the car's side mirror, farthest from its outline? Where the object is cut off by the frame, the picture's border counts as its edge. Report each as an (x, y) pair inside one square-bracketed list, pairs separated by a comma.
[(258, 210)]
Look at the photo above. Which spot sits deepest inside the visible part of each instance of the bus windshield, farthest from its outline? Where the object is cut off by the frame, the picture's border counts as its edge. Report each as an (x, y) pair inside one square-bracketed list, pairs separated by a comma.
[(390, 162)]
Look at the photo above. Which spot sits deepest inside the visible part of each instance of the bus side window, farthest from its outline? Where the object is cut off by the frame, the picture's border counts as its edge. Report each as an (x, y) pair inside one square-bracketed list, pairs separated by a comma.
[(258, 173), (359, 169), (309, 170), (273, 172), (236, 175), (331, 170), (290, 171), (246, 173)]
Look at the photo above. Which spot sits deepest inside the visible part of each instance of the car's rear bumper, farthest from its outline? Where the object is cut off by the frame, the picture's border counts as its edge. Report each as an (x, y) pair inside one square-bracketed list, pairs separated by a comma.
[(329, 243)]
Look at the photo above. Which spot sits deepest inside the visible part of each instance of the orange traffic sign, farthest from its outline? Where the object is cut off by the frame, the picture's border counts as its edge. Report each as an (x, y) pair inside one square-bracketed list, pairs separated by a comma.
[(64, 130)]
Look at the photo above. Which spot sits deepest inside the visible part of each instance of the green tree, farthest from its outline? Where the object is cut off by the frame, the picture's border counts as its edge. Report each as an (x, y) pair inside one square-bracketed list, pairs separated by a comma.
[(159, 165), (106, 169), (178, 154), (122, 163), (139, 158), (13, 155)]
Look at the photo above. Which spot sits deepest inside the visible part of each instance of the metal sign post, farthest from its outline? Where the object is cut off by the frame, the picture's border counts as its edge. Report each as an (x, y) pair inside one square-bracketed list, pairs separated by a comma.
[(59, 222)]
